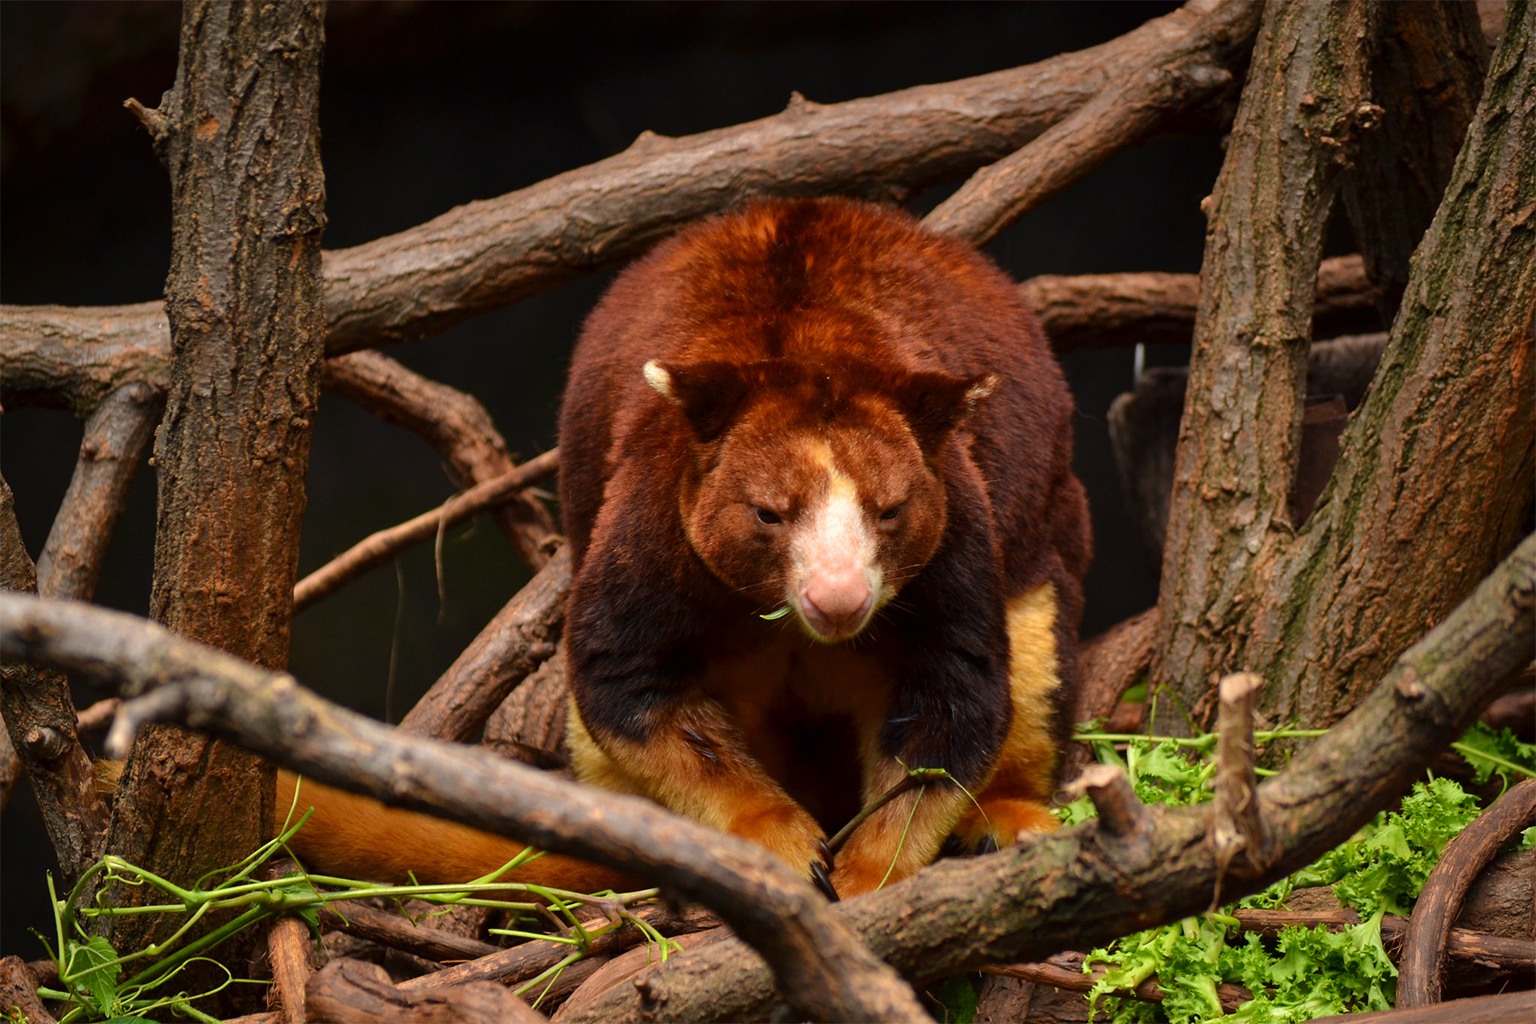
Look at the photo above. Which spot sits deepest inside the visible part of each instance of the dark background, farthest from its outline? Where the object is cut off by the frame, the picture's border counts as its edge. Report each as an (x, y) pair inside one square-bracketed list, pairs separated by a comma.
[(429, 105)]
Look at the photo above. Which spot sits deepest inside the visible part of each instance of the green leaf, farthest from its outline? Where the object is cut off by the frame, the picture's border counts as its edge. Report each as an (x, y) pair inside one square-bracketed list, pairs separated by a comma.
[(778, 613), (92, 971), (1496, 753)]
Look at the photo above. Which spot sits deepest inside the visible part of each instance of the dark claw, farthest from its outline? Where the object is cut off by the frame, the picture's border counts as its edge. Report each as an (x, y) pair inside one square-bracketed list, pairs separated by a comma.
[(821, 871), (819, 876), (987, 845)]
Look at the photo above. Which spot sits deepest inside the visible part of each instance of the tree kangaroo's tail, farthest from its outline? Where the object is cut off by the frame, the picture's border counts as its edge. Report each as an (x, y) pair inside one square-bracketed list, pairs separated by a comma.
[(357, 837), (351, 836)]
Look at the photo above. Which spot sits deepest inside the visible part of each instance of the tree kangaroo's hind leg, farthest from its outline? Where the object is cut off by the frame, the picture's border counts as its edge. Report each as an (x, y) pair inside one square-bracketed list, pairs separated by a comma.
[(1017, 797)]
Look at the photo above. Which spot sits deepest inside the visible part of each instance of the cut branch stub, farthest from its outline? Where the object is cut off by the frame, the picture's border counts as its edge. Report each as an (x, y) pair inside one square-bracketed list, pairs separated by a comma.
[(1236, 825), (1121, 812)]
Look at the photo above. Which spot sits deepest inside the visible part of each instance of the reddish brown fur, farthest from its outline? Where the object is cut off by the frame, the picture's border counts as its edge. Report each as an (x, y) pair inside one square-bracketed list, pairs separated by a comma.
[(847, 322)]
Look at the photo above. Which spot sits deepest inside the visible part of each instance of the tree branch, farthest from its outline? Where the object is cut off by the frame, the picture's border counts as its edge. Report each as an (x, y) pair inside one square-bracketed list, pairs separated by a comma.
[(41, 734), (488, 254), (1117, 310), (1189, 72), (1428, 71), (117, 438), (454, 423), (512, 645), (1436, 466), (247, 325), (816, 957), (380, 547), (1302, 107), (1440, 900)]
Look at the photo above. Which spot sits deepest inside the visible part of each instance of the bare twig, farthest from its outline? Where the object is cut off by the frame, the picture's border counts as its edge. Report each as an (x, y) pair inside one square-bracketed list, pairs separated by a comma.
[(1447, 885), (117, 437), (1236, 825), (380, 547), (1188, 73), (451, 421), (815, 955), (512, 645)]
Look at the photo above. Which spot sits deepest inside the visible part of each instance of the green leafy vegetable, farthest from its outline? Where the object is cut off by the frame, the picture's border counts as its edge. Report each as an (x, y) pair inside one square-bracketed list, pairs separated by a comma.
[(1305, 972)]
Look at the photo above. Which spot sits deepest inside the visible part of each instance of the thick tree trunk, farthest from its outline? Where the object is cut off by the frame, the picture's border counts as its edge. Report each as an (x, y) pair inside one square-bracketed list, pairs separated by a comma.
[(1303, 106), (239, 133), (1434, 483)]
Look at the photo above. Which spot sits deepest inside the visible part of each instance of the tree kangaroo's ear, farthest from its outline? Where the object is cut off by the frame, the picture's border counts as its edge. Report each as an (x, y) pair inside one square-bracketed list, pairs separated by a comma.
[(709, 393), (936, 403)]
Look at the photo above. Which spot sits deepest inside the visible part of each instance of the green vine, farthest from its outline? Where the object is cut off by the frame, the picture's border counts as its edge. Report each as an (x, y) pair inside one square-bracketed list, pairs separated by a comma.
[(97, 983)]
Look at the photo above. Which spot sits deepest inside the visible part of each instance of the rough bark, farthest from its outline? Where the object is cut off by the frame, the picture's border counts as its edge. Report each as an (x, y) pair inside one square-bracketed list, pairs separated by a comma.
[(1238, 439), (1436, 466), (352, 990), (18, 993), (40, 734), (1077, 887), (1427, 75), (239, 133)]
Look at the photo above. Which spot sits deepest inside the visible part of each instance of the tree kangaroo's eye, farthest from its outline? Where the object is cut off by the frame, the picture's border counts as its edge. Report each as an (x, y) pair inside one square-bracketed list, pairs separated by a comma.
[(891, 514), (766, 517)]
